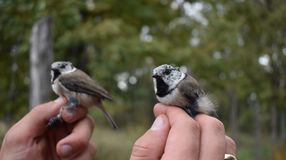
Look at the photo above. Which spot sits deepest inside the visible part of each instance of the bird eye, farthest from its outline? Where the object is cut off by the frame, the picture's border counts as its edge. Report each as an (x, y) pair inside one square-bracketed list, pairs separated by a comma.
[(62, 66), (167, 72)]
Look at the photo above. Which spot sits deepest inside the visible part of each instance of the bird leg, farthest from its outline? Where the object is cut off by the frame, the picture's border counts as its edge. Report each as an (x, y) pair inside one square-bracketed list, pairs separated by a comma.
[(191, 109), (72, 103), (55, 120)]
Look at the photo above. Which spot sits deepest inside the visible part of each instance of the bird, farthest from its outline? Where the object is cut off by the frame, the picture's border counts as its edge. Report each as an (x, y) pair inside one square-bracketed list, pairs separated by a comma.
[(176, 88), (78, 88)]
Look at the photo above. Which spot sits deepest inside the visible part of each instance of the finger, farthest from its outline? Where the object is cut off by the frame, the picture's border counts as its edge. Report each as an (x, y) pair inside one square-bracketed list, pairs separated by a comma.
[(212, 138), (78, 140), (35, 122), (159, 108), (78, 113), (151, 145), (230, 146), (88, 153), (183, 139)]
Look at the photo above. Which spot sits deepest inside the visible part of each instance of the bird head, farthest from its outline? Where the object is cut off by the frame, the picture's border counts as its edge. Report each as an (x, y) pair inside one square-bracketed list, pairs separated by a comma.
[(61, 67), (166, 78)]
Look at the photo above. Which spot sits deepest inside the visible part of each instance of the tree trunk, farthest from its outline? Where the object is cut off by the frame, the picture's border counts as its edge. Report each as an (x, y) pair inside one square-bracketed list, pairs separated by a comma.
[(41, 57), (257, 126), (274, 125), (12, 84), (282, 126)]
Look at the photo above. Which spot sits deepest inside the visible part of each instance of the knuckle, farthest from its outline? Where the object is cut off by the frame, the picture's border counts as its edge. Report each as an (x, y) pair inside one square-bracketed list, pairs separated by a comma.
[(68, 116), (71, 116), (141, 149), (212, 124), (231, 143), (196, 129), (190, 125), (195, 126), (216, 124), (156, 108), (82, 143)]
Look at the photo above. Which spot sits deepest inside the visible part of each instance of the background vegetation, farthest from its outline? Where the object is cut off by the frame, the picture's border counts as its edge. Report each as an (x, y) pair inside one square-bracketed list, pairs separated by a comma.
[(236, 49)]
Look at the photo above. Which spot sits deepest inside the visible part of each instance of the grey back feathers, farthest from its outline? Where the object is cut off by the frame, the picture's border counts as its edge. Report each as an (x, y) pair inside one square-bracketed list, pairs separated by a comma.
[(191, 89), (81, 83)]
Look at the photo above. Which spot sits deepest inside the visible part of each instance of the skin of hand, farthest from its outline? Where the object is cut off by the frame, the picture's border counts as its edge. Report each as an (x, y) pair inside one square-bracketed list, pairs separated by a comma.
[(31, 138), (175, 135)]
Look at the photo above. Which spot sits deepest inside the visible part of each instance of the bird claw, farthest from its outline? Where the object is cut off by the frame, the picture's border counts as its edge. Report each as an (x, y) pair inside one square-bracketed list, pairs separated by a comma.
[(72, 103), (54, 121)]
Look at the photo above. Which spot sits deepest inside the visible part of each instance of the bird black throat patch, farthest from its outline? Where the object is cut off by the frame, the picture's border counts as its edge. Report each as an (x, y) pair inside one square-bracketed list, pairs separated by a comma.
[(162, 87), (56, 73)]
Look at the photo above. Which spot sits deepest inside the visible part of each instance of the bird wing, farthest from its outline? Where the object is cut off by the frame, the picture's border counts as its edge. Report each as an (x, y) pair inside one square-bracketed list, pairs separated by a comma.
[(80, 82), (191, 89), (199, 102)]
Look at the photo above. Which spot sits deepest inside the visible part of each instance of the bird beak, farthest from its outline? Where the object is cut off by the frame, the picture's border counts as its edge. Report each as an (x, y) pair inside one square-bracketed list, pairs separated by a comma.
[(155, 76)]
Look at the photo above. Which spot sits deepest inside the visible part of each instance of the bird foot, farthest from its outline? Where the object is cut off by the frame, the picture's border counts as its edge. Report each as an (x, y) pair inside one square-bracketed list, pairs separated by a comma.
[(54, 121), (72, 103)]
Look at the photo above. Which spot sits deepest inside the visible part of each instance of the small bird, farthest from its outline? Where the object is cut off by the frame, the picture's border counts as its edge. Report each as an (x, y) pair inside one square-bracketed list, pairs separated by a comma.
[(173, 87), (75, 85)]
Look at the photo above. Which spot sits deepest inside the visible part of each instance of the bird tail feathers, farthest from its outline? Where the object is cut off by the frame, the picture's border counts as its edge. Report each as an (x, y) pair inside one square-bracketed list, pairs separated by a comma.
[(206, 106), (108, 117)]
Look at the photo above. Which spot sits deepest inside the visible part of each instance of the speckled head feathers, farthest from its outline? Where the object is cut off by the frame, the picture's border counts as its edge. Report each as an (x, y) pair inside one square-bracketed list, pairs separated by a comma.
[(63, 66), (167, 74), (163, 68)]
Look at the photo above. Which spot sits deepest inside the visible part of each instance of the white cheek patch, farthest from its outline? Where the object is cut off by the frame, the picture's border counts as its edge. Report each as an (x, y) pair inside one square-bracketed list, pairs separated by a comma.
[(175, 81), (52, 76), (69, 71), (155, 85)]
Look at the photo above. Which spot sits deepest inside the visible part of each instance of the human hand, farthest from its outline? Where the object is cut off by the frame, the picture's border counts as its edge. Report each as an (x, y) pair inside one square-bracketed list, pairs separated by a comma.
[(30, 138), (175, 135)]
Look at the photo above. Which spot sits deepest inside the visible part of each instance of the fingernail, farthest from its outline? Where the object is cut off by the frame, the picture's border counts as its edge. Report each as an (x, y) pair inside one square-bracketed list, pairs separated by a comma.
[(66, 150), (158, 124), (59, 100)]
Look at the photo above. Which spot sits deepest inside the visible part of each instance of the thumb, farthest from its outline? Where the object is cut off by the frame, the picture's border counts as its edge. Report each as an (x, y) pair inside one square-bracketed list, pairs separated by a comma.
[(151, 145), (35, 122)]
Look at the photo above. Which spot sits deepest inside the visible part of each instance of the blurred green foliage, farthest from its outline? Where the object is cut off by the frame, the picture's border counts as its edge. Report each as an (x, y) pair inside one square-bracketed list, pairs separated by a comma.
[(230, 46)]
